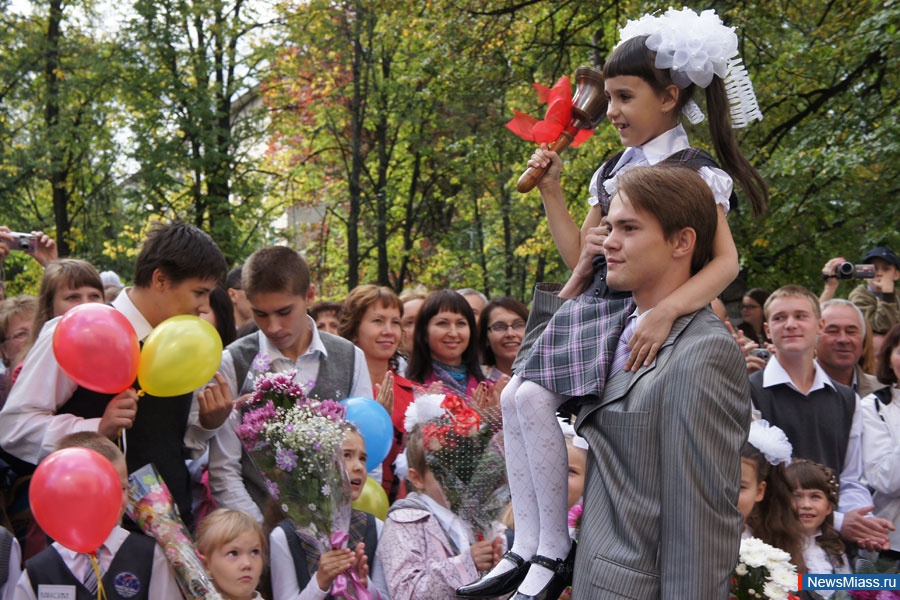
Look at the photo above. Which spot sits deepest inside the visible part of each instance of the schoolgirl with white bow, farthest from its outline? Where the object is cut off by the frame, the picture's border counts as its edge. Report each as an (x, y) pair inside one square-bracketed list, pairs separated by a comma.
[(766, 500), (649, 79)]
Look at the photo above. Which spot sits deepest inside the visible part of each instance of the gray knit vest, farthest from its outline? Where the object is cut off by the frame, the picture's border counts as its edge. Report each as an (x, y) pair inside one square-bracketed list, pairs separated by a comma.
[(334, 382), (817, 424)]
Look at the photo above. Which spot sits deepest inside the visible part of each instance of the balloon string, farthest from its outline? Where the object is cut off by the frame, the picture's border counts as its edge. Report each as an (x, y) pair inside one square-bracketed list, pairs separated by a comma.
[(122, 442), (101, 593)]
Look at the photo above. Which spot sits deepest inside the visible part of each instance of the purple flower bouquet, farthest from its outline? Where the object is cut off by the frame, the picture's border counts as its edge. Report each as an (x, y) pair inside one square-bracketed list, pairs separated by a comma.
[(296, 445)]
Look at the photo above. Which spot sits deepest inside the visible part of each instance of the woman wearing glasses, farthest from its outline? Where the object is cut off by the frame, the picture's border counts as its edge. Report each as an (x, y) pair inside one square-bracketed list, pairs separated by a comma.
[(501, 327), (753, 317)]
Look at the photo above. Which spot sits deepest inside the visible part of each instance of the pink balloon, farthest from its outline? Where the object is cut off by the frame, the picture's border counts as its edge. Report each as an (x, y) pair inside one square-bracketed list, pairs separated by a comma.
[(76, 498), (97, 347)]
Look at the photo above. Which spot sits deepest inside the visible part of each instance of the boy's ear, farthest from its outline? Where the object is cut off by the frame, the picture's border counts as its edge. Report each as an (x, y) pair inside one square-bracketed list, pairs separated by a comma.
[(159, 279), (684, 242), (311, 294)]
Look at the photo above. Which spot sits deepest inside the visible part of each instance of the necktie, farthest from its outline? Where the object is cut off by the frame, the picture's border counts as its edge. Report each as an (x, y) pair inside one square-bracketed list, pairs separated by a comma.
[(90, 578), (622, 349)]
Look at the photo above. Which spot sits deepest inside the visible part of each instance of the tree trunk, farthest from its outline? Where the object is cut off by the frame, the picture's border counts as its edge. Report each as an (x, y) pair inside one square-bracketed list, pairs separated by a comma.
[(58, 172)]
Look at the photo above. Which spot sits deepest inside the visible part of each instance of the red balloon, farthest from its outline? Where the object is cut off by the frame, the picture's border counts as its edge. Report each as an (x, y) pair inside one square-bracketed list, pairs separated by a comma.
[(76, 498), (97, 347)]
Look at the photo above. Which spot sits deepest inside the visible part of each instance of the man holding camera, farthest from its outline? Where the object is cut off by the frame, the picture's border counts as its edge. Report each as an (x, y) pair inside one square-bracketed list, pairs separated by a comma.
[(37, 244), (876, 298)]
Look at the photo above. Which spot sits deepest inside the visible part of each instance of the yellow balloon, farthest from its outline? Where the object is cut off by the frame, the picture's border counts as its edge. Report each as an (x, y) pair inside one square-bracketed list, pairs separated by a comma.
[(179, 356), (372, 499)]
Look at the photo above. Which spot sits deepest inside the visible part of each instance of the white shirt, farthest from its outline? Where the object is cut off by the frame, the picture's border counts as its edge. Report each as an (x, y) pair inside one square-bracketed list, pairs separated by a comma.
[(284, 576), (225, 481), (852, 493), (881, 457), (817, 562), (162, 579), (29, 424), (13, 571), (655, 151)]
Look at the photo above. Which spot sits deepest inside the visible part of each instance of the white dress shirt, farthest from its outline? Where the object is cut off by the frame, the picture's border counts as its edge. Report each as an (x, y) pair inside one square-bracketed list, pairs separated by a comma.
[(881, 457), (853, 493), (30, 425), (225, 480), (13, 571), (284, 575), (162, 579), (655, 151)]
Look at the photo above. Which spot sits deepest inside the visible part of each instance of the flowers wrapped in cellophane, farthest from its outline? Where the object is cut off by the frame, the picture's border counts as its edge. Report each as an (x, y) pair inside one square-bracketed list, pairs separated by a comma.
[(763, 572), (150, 505), (295, 443), (462, 453)]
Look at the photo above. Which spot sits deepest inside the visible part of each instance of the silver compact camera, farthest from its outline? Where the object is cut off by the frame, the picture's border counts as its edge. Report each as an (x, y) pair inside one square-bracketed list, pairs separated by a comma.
[(21, 241), (761, 353)]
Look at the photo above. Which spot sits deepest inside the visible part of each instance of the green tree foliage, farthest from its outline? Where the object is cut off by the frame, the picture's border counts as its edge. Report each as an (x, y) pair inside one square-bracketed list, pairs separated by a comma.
[(827, 78), (191, 74), (824, 73), (57, 127), (381, 127)]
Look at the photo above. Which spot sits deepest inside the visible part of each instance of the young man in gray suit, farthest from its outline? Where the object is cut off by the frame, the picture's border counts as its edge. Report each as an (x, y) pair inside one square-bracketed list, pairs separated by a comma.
[(663, 472)]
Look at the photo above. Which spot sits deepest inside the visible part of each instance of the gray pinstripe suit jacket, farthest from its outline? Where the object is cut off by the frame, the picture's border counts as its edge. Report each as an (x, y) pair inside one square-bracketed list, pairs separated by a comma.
[(663, 475)]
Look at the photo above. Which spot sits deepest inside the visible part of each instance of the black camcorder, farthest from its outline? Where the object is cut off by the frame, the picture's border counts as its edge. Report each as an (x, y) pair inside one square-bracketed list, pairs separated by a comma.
[(847, 270)]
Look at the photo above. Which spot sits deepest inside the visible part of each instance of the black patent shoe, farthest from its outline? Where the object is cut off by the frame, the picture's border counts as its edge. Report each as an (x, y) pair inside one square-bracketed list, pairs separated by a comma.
[(562, 576), (500, 585)]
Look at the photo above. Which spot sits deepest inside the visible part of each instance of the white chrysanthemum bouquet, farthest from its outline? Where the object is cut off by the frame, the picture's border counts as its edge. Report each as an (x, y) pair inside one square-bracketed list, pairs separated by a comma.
[(763, 572)]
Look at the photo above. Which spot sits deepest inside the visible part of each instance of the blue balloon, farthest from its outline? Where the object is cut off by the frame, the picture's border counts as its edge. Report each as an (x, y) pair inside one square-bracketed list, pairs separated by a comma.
[(375, 427)]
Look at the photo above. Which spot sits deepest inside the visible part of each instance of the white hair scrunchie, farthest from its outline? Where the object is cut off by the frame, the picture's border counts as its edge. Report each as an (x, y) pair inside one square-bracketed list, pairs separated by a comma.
[(771, 441), (694, 48)]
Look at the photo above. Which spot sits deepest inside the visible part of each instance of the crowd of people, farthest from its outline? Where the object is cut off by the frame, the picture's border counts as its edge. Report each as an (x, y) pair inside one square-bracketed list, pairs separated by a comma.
[(690, 431)]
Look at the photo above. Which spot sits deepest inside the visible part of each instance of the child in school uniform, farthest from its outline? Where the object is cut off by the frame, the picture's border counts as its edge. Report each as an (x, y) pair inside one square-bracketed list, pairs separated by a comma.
[(815, 489), (766, 499), (299, 572), (132, 565), (426, 550), (232, 547)]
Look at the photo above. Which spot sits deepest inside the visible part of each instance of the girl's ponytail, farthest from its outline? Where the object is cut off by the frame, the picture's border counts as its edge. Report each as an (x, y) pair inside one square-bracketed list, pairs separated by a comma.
[(699, 51), (727, 151)]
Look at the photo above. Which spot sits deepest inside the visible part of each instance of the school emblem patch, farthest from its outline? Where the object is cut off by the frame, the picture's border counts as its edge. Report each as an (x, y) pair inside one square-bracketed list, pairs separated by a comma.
[(127, 585)]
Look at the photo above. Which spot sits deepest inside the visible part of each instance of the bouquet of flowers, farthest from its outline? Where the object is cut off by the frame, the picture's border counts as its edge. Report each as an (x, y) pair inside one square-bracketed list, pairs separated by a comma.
[(763, 572), (150, 505), (295, 443), (870, 563), (461, 453)]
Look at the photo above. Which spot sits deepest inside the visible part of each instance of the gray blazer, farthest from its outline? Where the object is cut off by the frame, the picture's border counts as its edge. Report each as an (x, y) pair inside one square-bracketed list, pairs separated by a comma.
[(663, 473)]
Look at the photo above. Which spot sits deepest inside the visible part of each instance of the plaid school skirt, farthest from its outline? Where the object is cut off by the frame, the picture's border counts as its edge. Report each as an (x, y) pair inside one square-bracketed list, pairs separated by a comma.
[(573, 355)]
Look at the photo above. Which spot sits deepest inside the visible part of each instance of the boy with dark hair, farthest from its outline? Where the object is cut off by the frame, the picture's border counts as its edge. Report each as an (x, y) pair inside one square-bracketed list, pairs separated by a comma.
[(276, 281), (132, 565), (177, 268)]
